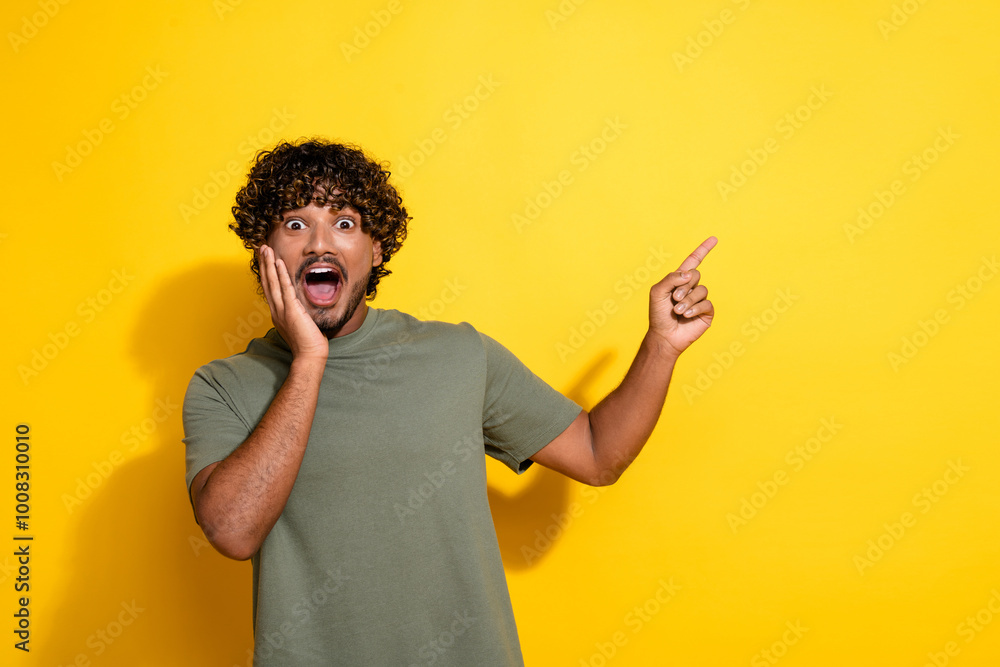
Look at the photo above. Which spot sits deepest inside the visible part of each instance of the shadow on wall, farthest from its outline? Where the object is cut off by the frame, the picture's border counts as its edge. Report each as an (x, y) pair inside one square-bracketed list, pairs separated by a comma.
[(150, 590), (528, 524)]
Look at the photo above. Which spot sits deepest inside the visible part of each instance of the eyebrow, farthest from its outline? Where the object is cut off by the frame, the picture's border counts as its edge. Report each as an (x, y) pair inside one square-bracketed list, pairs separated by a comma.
[(333, 211)]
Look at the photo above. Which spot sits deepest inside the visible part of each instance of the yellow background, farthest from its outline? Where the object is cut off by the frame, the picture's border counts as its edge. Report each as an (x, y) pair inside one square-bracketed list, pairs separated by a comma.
[(815, 307)]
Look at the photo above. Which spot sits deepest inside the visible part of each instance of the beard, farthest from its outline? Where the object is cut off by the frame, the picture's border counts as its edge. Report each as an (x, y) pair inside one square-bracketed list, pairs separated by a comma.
[(330, 325)]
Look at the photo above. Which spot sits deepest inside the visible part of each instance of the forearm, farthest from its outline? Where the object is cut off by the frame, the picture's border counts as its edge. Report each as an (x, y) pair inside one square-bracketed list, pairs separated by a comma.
[(622, 422), (246, 492)]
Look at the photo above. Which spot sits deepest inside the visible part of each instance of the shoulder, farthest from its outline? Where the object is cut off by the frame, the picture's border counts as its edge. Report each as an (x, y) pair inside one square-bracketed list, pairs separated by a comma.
[(404, 327), (264, 359)]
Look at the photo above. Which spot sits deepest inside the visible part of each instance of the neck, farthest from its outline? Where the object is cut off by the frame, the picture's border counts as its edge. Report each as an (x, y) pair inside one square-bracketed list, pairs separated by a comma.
[(355, 321)]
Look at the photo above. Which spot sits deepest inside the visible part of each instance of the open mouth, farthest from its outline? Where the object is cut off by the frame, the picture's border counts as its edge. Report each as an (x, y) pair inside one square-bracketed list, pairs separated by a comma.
[(322, 284)]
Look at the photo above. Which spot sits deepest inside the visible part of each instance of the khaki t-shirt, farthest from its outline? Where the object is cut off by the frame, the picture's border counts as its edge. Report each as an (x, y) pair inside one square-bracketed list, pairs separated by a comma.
[(385, 553)]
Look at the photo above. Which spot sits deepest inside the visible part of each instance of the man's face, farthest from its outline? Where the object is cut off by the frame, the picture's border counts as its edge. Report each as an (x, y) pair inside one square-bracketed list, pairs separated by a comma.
[(329, 259)]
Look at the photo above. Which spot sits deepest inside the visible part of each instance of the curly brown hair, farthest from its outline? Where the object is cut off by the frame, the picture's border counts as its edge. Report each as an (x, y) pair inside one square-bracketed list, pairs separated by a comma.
[(291, 175)]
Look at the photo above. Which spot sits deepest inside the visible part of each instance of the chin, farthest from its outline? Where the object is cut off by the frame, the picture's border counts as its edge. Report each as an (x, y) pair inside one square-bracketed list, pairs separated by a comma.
[(326, 317)]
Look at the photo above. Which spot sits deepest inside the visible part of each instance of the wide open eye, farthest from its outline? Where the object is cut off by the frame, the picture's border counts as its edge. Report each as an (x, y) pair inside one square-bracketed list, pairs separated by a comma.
[(345, 223), (295, 224)]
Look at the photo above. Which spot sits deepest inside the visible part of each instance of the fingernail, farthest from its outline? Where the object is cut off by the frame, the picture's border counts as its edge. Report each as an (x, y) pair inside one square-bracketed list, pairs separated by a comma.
[(679, 307), (689, 312)]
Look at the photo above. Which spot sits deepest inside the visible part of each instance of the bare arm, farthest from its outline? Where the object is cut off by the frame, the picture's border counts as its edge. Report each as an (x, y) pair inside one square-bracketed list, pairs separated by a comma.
[(598, 446), (239, 499)]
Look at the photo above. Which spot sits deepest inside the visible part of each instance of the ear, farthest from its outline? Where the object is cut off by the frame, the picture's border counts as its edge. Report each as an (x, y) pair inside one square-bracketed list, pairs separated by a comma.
[(376, 253)]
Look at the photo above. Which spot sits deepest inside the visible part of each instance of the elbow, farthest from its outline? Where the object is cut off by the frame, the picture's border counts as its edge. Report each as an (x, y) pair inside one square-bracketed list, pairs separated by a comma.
[(604, 477), (609, 472), (234, 549), (228, 542)]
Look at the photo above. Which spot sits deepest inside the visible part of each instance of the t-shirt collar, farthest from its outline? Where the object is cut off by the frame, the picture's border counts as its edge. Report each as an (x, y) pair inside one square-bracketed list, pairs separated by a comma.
[(338, 344)]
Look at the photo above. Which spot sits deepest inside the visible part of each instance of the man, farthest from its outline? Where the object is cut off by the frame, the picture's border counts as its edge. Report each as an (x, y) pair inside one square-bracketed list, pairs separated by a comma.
[(343, 452)]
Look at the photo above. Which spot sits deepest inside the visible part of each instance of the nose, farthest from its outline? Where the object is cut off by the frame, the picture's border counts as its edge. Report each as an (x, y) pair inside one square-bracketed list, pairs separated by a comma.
[(321, 241)]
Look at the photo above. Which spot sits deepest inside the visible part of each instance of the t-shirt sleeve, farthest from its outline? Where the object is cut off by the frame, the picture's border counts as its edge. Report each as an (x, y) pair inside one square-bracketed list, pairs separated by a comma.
[(213, 427), (521, 412)]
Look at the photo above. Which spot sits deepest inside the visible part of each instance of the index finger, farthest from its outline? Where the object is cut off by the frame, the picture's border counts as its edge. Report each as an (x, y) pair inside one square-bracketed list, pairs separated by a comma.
[(694, 259)]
